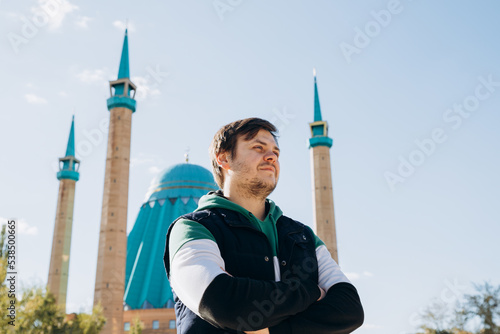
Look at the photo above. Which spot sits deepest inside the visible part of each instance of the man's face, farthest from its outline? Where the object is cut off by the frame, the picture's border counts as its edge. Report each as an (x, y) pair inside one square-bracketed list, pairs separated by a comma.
[(255, 166)]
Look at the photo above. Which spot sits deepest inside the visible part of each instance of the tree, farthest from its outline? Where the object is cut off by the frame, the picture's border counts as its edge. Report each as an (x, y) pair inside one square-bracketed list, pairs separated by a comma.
[(485, 305), (436, 317), (91, 323), (39, 313), (137, 326), (481, 307)]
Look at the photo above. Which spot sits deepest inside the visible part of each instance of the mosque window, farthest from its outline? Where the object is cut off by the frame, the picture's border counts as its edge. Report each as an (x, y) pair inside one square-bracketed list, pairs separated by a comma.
[(156, 324), (171, 324), (126, 326), (146, 305)]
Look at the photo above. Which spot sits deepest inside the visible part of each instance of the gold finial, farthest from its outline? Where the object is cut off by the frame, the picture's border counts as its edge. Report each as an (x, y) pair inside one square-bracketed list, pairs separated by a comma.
[(186, 155)]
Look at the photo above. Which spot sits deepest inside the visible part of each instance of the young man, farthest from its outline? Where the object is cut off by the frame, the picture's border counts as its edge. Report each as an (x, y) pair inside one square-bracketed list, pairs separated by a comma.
[(237, 264)]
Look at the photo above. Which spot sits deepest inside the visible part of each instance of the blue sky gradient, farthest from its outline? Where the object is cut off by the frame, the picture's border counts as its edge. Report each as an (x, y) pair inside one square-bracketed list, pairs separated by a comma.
[(434, 231)]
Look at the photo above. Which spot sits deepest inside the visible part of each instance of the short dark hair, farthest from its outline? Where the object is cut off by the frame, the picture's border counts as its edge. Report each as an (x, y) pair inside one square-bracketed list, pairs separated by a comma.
[(225, 140)]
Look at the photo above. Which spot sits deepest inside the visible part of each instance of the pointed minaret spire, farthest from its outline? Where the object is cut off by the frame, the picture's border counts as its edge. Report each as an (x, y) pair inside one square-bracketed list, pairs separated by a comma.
[(319, 128), (68, 174), (320, 144), (69, 165), (123, 71), (123, 90), (317, 108), (70, 150)]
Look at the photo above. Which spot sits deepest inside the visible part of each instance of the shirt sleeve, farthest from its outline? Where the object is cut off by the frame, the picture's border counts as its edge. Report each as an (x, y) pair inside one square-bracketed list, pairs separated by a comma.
[(329, 272), (194, 267), (184, 231)]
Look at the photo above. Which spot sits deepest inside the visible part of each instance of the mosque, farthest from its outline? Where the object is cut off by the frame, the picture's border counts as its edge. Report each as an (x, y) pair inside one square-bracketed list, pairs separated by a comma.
[(130, 278)]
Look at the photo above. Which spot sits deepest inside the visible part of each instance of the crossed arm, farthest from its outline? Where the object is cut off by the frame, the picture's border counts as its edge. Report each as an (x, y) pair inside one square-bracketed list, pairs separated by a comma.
[(243, 304)]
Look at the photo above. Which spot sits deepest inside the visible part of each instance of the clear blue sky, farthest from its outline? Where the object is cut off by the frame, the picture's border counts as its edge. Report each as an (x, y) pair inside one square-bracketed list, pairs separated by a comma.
[(384, 86)]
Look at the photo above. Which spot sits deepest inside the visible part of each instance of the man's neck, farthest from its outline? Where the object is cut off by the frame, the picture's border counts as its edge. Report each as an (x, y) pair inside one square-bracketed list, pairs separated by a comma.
[(257, 206)]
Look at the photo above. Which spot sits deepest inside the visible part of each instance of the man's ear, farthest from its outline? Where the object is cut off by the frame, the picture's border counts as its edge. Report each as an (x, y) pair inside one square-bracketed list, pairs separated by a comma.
[(223, 161)]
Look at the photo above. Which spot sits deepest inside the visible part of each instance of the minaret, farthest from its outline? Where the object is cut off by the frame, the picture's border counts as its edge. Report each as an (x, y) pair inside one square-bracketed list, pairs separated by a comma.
[(320, 144), (111, 258), (68, 174)]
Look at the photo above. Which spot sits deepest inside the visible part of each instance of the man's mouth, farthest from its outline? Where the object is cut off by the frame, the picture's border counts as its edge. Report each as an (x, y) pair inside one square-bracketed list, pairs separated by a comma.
[(269, 168)]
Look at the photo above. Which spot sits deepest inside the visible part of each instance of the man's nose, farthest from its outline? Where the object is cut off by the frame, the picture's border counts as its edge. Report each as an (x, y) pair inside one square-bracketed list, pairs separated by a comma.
[(271, 156)]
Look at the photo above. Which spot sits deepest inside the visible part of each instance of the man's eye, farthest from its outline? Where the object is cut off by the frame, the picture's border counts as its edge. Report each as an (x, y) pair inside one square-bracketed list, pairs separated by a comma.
[(259, 147)]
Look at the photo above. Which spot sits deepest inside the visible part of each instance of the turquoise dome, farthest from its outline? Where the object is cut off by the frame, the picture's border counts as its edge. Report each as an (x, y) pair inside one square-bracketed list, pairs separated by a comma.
[(174, 192), (182, 180)]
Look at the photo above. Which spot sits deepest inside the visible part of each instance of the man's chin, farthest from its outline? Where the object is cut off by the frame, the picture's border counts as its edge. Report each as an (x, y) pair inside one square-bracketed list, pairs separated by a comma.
[(270, 187), (262, 189)]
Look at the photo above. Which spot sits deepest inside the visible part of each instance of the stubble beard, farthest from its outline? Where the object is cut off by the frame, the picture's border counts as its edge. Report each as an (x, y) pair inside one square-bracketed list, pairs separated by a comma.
[(257, 188), (254, 187)]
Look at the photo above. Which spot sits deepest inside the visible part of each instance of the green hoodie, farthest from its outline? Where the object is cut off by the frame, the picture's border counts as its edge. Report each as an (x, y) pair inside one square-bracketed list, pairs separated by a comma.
[(187, 230)]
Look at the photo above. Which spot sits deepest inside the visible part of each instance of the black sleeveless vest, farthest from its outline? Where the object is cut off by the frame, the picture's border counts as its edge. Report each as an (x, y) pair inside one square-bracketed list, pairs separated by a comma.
[(247, 253)]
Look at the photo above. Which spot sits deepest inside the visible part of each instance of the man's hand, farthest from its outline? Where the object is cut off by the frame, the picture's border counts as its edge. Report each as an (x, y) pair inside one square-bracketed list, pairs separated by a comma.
[(226, 271), (323, 293), (260, 331)]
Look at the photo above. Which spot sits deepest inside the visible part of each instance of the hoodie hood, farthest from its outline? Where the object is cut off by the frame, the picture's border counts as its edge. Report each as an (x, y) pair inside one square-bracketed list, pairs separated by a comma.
[(215, 199), (267, 226)]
